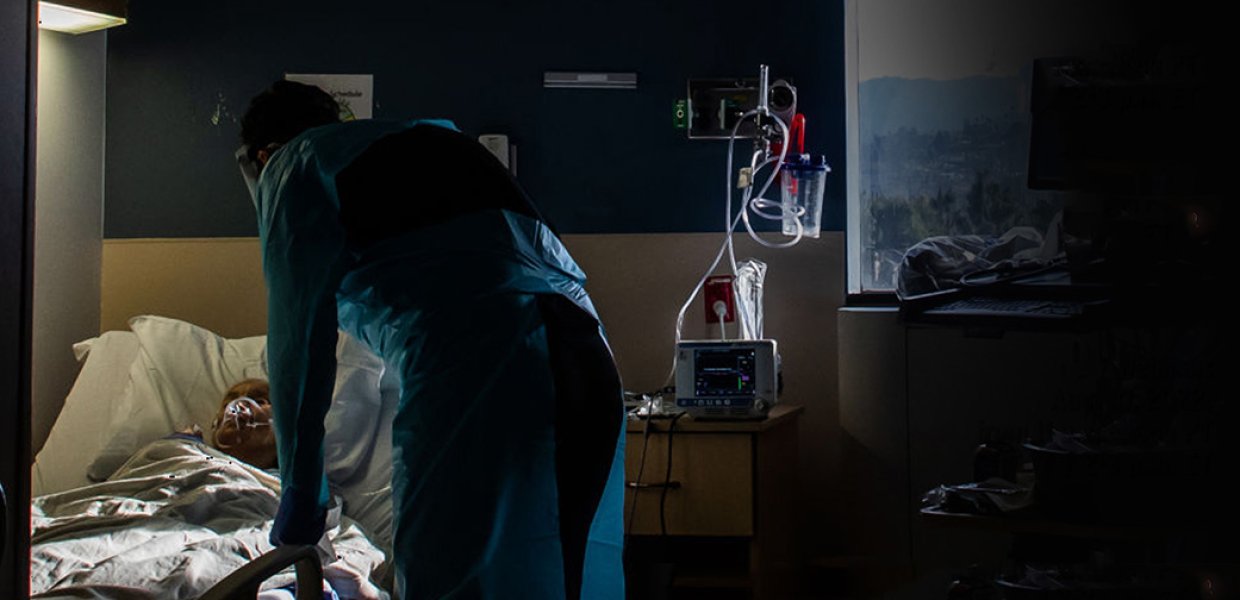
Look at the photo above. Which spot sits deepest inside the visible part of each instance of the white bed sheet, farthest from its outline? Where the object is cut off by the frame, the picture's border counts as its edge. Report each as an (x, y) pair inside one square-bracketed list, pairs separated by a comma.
[(174, 520)]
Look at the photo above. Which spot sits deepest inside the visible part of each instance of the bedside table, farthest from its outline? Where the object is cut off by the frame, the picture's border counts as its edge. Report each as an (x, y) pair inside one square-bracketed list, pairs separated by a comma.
[(725, 515)]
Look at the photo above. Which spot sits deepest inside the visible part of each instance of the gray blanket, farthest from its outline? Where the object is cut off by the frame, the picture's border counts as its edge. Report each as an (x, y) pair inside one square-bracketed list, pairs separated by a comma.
[(170, 523)]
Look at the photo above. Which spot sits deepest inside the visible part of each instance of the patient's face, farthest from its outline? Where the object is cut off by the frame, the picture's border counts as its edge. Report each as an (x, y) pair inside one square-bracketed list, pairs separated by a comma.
[(242, 426)]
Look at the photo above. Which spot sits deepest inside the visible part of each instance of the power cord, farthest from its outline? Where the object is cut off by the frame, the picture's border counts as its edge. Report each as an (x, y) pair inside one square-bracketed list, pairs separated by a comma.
[(667, 477), (721, 311), (641, 469), (637, 485)]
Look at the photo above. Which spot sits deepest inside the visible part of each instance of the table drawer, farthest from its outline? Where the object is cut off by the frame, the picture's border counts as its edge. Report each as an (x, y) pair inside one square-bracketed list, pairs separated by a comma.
[(714, 495)]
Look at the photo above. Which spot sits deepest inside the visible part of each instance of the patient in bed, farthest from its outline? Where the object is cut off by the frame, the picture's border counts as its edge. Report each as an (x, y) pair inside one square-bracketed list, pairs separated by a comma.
[(178, 520), (242, 425)]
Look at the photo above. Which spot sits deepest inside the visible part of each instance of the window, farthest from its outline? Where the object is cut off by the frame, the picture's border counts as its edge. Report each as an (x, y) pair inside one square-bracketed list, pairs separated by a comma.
[(938, 120)]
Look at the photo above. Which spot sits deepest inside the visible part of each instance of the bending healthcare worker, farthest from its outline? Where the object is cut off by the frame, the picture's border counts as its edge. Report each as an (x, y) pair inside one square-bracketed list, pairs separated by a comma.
[(507, 440)]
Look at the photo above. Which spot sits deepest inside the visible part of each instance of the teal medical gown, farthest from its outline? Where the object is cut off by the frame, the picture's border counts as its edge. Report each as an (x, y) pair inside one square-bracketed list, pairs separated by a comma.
[(459, 308)]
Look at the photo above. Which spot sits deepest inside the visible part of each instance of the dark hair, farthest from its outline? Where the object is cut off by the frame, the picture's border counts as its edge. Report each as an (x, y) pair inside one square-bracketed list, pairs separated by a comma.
[(283, 111)]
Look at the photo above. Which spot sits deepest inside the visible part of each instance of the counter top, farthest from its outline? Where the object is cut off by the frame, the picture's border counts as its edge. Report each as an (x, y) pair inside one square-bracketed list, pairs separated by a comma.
[(779, 415)]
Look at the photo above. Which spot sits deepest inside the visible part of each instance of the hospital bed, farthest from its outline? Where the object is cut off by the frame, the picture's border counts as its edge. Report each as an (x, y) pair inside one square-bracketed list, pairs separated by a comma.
[(121, 505)]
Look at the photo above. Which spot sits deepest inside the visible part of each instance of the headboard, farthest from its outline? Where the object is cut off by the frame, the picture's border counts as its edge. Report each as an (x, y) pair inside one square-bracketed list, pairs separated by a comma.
[(213, 282)]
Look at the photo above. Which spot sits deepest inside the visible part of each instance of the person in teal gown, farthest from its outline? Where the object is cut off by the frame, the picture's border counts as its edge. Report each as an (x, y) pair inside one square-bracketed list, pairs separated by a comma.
[(507, 440)]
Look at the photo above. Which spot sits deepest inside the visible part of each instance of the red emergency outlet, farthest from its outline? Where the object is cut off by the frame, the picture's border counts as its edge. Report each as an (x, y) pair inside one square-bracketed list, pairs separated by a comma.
[(719, 289)]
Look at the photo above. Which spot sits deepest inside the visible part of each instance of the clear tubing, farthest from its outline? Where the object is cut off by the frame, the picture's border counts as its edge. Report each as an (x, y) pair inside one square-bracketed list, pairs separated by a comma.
[(759, 203), (755, 168)]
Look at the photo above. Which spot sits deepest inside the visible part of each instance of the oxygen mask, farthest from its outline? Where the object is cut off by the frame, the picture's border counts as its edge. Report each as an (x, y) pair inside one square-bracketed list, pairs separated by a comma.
[(240, 422)]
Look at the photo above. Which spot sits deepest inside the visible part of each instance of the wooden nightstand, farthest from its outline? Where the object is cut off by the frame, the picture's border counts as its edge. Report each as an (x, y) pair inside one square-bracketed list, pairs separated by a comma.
[(728, 506)]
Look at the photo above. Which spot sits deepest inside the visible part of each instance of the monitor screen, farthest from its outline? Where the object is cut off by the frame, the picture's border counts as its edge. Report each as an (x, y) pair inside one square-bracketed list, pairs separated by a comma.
[(724, 372)]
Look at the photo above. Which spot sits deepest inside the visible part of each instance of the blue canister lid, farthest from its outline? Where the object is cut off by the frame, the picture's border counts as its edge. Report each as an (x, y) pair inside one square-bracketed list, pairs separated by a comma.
[(805, 162)]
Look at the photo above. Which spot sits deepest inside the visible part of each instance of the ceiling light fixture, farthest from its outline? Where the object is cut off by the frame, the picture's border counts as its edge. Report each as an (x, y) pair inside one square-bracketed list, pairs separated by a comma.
[(82, 16)]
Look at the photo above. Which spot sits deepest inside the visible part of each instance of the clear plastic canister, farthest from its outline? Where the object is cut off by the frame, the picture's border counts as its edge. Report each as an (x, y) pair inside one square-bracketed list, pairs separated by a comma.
[(803, 179)]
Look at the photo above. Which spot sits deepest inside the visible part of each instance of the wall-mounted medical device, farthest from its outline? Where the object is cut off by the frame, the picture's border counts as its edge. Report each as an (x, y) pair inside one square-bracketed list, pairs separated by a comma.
[(716, 105), (735, 379), (739, 378)]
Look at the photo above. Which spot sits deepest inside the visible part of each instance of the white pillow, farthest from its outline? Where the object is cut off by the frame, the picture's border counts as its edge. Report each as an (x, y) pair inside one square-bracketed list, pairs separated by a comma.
[(79, 431), (182, 371)]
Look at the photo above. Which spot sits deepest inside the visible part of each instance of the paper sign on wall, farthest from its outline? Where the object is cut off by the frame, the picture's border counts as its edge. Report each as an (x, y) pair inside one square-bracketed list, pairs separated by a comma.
[(354, 93)]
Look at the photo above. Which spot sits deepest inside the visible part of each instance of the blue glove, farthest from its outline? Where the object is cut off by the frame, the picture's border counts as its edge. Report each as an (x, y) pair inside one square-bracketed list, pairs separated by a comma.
[(291, 589)]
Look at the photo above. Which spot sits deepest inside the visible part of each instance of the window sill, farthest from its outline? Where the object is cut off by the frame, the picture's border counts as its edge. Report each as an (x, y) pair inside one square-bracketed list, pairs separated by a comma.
[(872, 300)]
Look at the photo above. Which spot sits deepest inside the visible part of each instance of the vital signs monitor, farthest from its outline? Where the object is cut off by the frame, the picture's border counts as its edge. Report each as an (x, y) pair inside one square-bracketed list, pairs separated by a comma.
[(727, 379)]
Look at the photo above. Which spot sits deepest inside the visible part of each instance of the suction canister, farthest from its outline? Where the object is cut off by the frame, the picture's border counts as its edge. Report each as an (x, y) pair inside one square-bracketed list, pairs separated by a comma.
[(803, 179)]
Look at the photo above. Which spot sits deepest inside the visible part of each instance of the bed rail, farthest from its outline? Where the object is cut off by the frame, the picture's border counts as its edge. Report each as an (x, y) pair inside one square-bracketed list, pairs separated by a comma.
[(244, 582)]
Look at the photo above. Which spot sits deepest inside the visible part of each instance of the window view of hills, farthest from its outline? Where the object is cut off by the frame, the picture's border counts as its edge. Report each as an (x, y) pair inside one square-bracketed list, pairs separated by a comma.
[(943, 158)]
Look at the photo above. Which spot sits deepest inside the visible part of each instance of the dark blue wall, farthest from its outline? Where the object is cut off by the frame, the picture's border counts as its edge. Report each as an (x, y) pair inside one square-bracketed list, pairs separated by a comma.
[(181, 73)]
